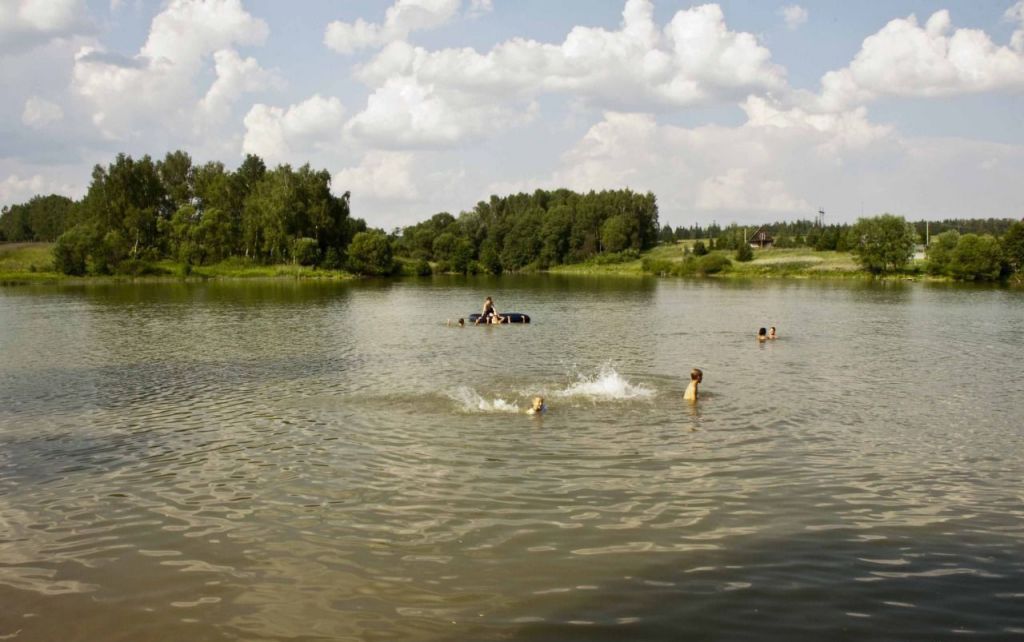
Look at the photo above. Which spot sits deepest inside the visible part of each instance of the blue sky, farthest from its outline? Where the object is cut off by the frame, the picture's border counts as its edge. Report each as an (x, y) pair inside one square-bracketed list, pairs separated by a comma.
[(740, 111)]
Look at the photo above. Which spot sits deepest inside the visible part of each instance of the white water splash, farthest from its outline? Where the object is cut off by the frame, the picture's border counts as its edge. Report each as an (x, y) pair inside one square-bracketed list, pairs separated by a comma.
[(607, 384), (471, 401)]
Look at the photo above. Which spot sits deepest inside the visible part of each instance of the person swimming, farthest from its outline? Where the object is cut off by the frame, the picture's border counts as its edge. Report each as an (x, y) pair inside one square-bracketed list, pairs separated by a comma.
[(537, 406), (771, 333), (461, 323), (696, 377), (762, 334)]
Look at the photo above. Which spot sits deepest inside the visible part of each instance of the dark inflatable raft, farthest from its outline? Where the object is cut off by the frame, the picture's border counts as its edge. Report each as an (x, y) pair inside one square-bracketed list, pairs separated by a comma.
[(507, 317)]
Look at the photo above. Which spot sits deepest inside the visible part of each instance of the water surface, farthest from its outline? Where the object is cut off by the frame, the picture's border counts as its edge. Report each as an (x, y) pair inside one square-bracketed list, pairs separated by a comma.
[(274, 460)]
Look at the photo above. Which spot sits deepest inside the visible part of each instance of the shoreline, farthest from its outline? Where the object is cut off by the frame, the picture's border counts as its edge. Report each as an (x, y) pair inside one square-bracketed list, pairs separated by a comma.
[(31, 264)]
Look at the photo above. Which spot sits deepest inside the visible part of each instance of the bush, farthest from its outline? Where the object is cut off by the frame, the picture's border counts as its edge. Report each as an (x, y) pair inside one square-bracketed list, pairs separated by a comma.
[(305, 251), (370, 254), (71, 251), (422, 268), (333, 259), (713, 264), (744, 253), (699, 248), (976, 258), (612, 258), (940, 252)]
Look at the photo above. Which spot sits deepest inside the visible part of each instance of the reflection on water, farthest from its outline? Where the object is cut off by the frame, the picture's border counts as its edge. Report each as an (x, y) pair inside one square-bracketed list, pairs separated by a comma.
[(280, 460)]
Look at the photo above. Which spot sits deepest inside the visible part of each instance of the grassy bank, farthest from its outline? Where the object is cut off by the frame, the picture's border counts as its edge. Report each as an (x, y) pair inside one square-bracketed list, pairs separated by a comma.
[(27, 263), (33, 263), (672, 260)]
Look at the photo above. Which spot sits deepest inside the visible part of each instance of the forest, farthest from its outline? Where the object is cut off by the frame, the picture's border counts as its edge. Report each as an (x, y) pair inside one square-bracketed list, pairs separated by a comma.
[(137, 212)]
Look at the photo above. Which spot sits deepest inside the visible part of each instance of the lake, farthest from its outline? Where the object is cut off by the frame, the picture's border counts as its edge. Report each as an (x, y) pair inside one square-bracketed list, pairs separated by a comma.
[(279, 460)]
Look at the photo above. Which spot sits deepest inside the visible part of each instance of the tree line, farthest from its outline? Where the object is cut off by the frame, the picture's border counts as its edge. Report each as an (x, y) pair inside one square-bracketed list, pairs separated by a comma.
[(534, 231), (138, 211)]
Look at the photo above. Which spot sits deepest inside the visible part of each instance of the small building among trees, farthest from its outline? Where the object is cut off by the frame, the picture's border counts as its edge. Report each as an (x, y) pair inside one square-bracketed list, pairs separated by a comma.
[(761, 239)]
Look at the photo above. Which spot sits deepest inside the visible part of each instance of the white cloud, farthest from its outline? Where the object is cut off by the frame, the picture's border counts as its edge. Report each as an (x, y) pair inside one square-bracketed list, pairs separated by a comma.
[(286, 135), (39, 113), (27, 23), (380, 176), (776, 164), (794, 16), (18, 189), (843, 130), (156, 89), (187, 30), (235, 76), (907, 59), (694, 59), (1016, 14), (406, 113), (400, 20), (736, 190)]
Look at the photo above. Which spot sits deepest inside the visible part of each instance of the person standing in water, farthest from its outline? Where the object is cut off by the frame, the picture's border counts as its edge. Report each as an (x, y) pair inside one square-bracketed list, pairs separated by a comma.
[(771, 333), (696, 376), (762, 334), (488, 314)]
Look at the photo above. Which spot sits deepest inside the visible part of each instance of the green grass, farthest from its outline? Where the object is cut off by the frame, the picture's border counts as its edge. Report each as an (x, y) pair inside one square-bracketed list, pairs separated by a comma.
[(33, 263), (27, 263)]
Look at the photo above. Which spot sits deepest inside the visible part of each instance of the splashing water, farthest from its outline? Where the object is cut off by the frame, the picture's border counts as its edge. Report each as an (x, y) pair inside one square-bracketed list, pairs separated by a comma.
[(471, 401), (607, 384)]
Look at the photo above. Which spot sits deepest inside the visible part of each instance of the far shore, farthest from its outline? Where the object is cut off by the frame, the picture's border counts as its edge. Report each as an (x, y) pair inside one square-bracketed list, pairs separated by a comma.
[(32, 263)]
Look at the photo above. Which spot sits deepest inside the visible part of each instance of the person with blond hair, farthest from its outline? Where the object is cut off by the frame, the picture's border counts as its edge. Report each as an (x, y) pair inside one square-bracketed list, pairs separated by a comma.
[(696, 377)]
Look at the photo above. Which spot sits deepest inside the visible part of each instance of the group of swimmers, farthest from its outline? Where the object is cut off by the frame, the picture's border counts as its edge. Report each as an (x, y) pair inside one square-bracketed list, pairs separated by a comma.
[(765, 335), (537, 406)]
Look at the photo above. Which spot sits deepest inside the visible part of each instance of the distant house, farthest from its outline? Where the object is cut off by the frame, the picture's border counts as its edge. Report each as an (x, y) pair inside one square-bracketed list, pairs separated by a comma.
[(761, 239)]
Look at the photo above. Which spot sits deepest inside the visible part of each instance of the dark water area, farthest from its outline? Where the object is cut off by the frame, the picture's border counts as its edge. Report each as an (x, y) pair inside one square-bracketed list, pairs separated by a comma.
[(277, 460)]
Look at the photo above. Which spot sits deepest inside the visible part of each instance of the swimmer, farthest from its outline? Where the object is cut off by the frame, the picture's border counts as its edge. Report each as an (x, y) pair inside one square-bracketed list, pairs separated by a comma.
[(461, 323), (771, 333), (537, 406), (762, 334), (696, 376)]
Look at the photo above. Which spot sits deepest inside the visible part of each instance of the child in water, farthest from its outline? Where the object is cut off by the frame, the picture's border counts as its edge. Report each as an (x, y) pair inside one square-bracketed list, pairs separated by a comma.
[(771, 333), (762, 334), (696, 376), (537, 406)]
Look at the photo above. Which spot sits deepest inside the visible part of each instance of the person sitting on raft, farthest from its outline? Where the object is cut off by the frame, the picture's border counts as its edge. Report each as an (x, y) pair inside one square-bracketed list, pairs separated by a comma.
[(488, 314), (696, 376)]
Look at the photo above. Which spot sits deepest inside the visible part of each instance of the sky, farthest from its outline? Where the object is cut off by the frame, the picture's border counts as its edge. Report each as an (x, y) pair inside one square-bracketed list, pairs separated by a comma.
[(743, 111)]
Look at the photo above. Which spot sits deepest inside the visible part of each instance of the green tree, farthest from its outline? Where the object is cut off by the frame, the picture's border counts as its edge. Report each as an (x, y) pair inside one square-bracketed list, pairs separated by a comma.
[(940, 252), (883, 243), (699, 248), (71, 251), (370, 254), (976, 258), (615, 233), (744, 252), (1013, 246)]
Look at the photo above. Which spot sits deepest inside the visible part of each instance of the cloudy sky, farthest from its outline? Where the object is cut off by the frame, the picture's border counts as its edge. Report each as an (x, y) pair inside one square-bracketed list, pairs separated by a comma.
[(740, 111)]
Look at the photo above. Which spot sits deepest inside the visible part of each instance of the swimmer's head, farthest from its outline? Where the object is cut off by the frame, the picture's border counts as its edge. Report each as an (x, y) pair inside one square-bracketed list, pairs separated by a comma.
[(462, 322), (762, 332), (696, 375), (538, 404)]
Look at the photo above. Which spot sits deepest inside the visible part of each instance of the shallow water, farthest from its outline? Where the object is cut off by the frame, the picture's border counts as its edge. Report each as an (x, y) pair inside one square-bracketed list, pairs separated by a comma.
[(277, 460)]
